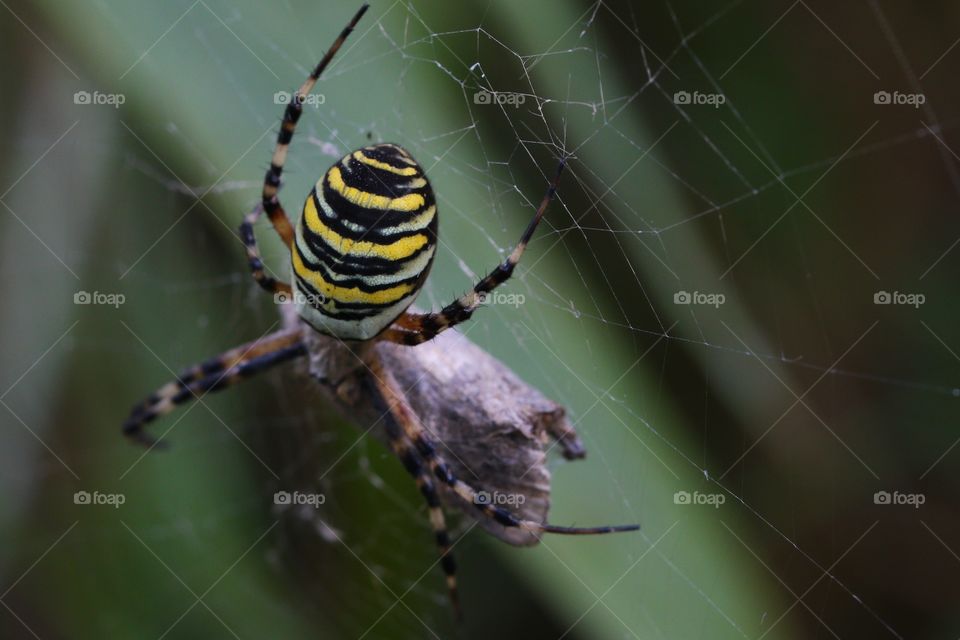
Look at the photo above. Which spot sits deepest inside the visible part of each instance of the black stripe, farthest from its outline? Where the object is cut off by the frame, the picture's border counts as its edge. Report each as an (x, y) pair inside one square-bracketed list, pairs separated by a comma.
[(391, 153), (372, 180), (500, 275), (372, 218), (503, 517), (430, 324), (344, 310), (213, 365), (345, 272), (340, 262), (429, 493), (273, 176), (246, 234), (345, 263), (385, 220), (410, 463), (448, 564), (294, 108), (426, 449), (348, 316), (442, 471), (363, 170), (353, 279)]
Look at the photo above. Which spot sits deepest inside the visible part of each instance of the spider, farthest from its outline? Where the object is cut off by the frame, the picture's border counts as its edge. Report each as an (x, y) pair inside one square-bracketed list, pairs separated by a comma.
[(360, 254)]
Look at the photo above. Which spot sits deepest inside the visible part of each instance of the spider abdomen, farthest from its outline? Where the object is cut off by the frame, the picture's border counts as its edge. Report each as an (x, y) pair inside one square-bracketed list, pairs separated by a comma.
[(365, 242)]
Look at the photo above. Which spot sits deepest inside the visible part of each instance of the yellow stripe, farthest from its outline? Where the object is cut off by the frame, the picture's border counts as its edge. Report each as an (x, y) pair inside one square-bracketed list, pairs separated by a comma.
[(420, 221), (408, 269), (394, 251), (344, 294), (405, 171), (409, 202)]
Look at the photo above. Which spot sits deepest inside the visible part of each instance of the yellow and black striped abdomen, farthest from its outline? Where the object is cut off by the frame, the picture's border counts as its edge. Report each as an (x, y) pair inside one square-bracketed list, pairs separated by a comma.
[(365, 242)]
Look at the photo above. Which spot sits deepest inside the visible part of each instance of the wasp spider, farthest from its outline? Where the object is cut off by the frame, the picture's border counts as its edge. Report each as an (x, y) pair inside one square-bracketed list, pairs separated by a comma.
[(360, 254)]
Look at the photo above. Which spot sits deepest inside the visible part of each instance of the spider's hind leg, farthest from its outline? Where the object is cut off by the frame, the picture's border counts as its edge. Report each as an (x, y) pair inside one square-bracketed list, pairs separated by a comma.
[(414, 466), (425, 448)]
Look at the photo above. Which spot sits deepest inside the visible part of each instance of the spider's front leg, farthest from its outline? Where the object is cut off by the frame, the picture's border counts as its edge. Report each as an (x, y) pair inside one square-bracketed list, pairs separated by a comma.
[(213, 375), (269, 197), (257, 268), (417, 328)]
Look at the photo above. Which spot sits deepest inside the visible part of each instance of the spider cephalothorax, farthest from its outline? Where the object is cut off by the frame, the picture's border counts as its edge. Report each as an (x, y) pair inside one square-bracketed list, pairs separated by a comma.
[(360, 254)]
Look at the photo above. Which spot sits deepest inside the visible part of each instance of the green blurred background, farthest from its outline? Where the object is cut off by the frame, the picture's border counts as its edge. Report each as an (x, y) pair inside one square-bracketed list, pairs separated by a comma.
[(796, 400)]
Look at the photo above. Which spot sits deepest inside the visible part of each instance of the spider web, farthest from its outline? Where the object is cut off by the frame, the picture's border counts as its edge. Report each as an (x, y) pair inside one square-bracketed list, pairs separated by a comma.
[(701, 296)]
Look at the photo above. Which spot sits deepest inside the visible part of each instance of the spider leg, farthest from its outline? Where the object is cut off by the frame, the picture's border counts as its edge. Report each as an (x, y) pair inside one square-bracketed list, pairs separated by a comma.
[(414, 466), (292, 113), (213, 375), (416, 328), (253, 255), (413, 430)]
